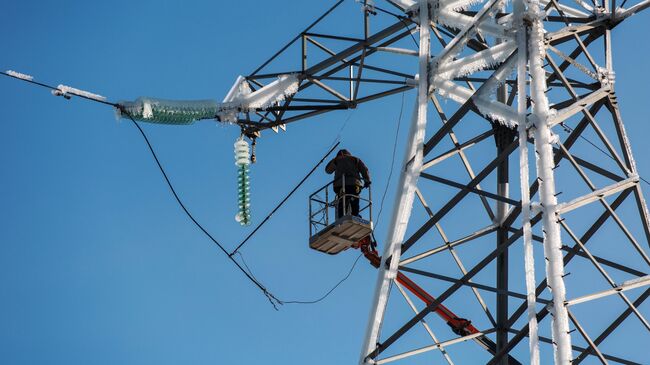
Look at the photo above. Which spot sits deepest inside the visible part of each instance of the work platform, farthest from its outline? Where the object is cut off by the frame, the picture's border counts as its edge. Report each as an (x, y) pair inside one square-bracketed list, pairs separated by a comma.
[(341, 235), (333, 236)]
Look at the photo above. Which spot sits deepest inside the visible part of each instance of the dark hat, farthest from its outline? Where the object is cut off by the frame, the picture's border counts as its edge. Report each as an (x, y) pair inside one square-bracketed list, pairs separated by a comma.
[(343, 152)]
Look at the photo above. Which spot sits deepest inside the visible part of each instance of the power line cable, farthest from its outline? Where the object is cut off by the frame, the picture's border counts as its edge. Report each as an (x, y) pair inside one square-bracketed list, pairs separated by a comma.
[(247, 271), (283, 200), (401, 19), (392, 163), (569, 129), (330, 291), (272, 299)]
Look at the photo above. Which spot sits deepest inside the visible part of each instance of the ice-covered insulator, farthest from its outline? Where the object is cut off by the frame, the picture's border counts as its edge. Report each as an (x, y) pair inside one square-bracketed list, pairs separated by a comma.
[(242, 160), (242, 153)]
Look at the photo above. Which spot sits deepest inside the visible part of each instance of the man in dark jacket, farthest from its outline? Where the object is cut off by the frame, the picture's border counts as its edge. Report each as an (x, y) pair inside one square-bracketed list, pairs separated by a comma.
[(348, 172)]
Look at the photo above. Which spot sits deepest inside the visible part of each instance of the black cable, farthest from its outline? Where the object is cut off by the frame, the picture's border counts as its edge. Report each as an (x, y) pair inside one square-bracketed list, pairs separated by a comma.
[(54, 88), (247, 272), (272, 299), (401, 19), (283, 200), (330, 291), (392, 163), (567, 128)]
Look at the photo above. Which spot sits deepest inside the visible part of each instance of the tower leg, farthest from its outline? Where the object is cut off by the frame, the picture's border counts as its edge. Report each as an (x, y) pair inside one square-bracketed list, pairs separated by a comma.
[(404, 199)]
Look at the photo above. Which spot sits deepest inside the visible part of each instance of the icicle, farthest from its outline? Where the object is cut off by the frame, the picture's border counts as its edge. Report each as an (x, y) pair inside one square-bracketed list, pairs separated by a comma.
[(19, 75), (242, 160)]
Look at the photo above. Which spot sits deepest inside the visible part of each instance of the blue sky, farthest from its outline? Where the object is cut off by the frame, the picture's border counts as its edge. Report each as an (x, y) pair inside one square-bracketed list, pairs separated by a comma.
[(100, 266)]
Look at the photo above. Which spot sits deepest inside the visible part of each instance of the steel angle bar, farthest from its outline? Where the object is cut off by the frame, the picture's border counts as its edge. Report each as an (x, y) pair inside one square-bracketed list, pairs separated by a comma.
[(463, 271), (424, 323), (579, 105), (579, 348), (566, 33), (459, 196), (444, 296), (330, 10), (597, 33), (470, 284), (598, 223), (628, 285), (627, 153), (478, 234), (469, 189), (433, 347), (328, 89), (457, 149), (598, 195), (626, 13), (461, 154), (595, 168), (617, 322)]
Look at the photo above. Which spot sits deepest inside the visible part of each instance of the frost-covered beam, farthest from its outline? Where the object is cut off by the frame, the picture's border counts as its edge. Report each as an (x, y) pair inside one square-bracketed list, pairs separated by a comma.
[(569, 32), (478, 234), (456, 44), (626, 13), (433, 347), (597, 195), (412, 166), (579, 105), (567, 10), (543, 139), (628, 285)]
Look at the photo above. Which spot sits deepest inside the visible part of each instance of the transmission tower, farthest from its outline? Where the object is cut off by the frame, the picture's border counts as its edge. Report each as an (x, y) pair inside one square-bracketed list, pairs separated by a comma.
[(521, 93)]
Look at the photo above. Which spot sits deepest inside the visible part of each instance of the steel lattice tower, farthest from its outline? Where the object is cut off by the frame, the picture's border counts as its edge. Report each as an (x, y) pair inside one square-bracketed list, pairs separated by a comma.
[(508, 94)]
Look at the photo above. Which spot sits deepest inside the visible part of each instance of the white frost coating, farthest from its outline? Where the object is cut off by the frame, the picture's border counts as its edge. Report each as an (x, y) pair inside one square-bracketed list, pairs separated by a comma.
[(492, 108), (238, 90), (567, 10), (404, 4), (404, 200), (243, 100), (459, 21), (19, 75), (71, 90), (456, 5), (147, 110), (478, 61), (453, 91), (529, 259), (495, 110), (271, 94), (545, 164)]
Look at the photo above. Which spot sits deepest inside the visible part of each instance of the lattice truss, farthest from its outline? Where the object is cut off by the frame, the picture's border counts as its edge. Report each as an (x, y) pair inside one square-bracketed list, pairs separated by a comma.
[(495, 72)]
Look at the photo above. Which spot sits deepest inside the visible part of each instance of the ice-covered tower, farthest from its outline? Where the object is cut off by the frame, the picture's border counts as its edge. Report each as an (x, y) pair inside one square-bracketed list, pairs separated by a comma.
[(534, 71), (518, 213)]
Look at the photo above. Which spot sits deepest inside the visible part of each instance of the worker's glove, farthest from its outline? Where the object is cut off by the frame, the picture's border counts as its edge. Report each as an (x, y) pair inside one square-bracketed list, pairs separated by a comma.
[(366, 184)]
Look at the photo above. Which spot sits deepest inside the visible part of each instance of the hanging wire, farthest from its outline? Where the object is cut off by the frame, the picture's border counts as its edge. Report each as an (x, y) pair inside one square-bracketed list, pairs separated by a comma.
[(245, 269), (392, 163), (569, 129), (284, 200), (401, 19), (346, 277), (272, 299)]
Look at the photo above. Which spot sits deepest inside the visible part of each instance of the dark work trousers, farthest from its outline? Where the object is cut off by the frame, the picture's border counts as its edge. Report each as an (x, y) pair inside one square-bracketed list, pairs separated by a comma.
[(348, 202)]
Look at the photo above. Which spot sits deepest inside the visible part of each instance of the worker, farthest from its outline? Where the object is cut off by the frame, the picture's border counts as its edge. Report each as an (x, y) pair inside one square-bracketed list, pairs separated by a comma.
[(348, 172)]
